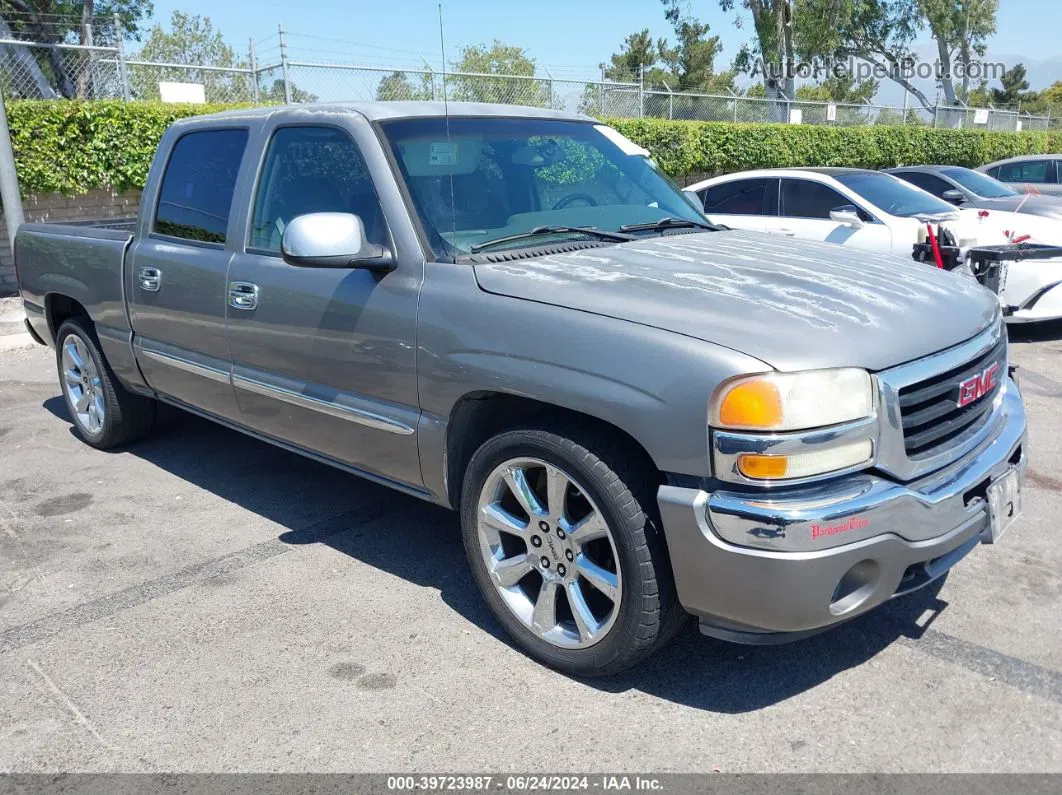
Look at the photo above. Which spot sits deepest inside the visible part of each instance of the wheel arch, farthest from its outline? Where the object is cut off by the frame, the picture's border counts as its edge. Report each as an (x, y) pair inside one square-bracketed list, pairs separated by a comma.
[(479, 415), (58, 308)]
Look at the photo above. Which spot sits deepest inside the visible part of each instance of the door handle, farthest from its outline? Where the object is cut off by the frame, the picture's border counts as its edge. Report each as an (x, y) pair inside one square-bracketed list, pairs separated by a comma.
[(243, 295), (149, 279)]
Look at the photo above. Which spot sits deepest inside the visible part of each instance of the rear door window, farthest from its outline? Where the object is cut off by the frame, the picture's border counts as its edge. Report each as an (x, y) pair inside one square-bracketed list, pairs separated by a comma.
[(198, 185), (740, 197), (1027, 171)]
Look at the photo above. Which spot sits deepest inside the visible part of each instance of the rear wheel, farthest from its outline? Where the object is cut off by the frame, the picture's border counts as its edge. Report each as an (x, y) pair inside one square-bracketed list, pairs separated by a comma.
[(105, 414), (570, 560)]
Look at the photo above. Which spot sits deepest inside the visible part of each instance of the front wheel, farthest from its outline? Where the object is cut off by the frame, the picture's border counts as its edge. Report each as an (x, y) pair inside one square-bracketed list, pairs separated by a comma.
[(561, 536)]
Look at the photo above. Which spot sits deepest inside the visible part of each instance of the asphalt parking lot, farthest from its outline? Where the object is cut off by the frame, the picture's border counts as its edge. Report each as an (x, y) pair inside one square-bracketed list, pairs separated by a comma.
[(204, 602)]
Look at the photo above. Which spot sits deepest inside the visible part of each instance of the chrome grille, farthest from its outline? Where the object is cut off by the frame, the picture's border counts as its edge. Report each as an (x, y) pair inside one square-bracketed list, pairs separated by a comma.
[(930, 411)]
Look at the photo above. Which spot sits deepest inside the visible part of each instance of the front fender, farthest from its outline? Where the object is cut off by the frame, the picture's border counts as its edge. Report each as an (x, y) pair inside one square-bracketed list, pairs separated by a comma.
[(652, 384)]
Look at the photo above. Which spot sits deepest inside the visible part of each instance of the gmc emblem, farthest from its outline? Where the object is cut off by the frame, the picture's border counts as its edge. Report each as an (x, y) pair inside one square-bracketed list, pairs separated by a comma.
[(978, 386)]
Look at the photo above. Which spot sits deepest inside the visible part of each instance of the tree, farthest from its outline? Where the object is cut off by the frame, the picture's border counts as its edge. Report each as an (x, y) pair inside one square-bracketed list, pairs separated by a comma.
[(882, 32), (192, 39), (772, 56), (397, 86), (661, 68), (691, 61), (638, 53), (961, 29), (71, 21), (505, 61), (1053, 93), (842, 89), (1014, 87), (275, 94)]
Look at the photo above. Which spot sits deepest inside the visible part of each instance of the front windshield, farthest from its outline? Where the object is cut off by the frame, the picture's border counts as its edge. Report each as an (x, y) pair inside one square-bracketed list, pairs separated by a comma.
[(893, 195), (492, 178), (981, 184)]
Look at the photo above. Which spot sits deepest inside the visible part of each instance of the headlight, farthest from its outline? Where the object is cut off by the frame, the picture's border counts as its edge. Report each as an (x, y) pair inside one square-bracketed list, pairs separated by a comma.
[(792, 401), (802, 465), (793, 426)]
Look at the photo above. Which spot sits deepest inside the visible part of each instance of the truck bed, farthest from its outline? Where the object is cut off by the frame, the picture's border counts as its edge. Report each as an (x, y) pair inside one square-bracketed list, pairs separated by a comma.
[(127, 224), (82, 260)]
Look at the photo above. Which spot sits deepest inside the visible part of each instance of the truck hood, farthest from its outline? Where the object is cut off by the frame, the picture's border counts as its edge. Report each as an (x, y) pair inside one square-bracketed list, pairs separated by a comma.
[(793, 304)]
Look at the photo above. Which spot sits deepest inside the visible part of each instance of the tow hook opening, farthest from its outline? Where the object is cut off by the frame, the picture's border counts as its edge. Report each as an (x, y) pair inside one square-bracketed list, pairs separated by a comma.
[(855, 587)]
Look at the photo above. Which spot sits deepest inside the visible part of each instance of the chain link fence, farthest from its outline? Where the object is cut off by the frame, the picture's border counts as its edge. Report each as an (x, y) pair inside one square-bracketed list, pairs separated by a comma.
[(31, 70)]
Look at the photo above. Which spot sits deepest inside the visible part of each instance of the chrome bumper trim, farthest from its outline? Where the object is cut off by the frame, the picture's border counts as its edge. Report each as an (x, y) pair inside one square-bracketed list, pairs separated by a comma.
[(865, 505), (781, 579)]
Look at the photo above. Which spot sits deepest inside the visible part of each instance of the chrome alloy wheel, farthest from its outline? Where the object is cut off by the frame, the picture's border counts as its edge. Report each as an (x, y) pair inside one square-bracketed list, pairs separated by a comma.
[(549, 552), (82, 384)]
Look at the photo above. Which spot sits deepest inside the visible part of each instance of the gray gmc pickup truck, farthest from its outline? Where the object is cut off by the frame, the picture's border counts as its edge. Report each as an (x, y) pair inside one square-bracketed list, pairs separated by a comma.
[(513, 313)]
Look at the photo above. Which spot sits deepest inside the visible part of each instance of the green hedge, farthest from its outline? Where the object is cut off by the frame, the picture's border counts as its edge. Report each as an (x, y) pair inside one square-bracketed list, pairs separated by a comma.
[(690, 147), (72, 147)]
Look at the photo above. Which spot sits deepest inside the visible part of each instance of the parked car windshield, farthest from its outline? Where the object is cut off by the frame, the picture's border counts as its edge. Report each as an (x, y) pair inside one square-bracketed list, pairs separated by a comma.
[(479, 179), (893, 195), (981, 184)]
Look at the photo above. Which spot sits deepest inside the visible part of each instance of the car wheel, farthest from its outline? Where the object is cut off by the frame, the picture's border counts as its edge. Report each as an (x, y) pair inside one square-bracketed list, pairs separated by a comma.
[(561, 532), (105, 414)]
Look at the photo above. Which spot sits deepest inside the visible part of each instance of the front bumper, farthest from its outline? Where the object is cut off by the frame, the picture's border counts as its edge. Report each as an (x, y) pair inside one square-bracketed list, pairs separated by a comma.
[(754, 565)]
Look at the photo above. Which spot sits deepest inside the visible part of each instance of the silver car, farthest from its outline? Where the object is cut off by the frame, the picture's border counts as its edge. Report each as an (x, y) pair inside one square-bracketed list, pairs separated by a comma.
[(1029, 173), (965, 187)]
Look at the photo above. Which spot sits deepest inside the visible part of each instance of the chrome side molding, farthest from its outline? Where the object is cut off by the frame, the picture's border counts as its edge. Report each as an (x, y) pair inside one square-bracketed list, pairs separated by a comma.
[(332, 408), (222, 376)]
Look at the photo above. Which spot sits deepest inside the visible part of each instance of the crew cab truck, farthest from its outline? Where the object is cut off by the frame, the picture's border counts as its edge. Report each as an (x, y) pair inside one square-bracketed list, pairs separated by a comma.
[(512, 312)]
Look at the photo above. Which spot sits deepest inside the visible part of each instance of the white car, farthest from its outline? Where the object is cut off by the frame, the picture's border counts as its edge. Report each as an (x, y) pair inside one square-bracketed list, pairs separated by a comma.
[(879, 212)]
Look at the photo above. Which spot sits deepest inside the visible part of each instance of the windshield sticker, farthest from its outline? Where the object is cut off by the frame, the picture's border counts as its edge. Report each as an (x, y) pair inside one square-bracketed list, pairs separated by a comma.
[(443, 153), (626, 145)]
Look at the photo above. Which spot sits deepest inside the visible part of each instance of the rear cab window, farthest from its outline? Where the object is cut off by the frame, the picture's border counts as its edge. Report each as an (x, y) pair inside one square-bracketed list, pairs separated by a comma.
[(195, 197)]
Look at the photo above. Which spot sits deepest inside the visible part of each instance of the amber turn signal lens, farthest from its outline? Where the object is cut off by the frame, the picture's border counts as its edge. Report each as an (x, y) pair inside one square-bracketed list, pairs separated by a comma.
[(763, 467), (752, 404)]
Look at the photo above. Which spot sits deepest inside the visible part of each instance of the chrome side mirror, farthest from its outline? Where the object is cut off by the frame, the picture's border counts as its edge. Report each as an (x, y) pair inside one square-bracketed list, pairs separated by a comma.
[(332, 240), (953, 196), (847, 214)]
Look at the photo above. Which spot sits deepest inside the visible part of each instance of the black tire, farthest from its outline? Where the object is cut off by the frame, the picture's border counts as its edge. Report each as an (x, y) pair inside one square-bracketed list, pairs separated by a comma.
[(126, 416), (624, 490)]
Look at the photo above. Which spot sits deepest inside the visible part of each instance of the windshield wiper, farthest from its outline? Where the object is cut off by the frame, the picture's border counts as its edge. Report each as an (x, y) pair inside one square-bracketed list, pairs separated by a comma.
[(553, 230), (669, 222)]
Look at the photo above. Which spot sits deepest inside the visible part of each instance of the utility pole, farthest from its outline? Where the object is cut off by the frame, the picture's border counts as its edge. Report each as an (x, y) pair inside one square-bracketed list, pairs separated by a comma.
[(119, 42), (254, 70), (601, 94), (284, 65), (9, 194), (641, 90)]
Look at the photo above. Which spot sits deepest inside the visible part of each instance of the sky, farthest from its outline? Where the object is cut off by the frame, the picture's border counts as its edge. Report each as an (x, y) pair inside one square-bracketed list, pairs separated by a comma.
[(567, 38)]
